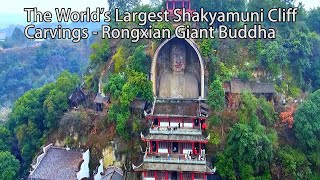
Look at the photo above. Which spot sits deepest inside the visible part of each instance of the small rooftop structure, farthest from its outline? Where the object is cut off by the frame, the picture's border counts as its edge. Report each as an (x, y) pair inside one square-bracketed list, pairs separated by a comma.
[(77, 97), (138, 104), (101, 100), (60, 163), (111, 173)]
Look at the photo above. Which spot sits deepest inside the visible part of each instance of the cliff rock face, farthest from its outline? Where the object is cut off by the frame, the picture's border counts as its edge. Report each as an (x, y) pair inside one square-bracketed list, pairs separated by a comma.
[(175, 51)]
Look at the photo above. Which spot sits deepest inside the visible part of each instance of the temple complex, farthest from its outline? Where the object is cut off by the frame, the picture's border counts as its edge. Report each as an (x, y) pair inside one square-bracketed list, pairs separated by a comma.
[(176, 141)]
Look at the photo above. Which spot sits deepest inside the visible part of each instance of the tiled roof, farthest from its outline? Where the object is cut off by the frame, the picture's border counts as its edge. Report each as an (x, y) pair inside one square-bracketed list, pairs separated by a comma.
[(98, 99), (237, 86), (113, 173), (58, 163), (178, 108), (175, 137)]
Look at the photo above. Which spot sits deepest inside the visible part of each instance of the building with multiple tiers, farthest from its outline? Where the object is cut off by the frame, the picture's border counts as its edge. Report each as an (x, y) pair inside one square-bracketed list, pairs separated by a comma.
[(176, 141)]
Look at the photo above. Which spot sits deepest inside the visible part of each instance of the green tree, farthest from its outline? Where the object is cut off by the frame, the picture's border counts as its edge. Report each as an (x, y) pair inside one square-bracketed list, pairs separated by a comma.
[(313, 19), (294, 163), (9, 166), (54, 106), (248, 153), (101, 52), (216, 95), (307, 122), (248, 107), (115, 84), (273, 57), (266, 112), (139, 60), (28, 136), (5, 139), (119, 60)]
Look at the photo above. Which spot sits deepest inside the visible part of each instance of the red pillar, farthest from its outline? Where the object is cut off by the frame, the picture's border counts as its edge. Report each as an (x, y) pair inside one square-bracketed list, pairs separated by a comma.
[(182, 124), (181, 176), (192, 147), (193, 120), (157, 146), (155, 175), (204, 176), (144, 174), (167, 175), (192, 175)]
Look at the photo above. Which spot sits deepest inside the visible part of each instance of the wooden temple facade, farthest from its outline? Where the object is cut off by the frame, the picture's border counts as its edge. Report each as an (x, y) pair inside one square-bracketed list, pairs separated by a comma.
[(176, 140), (235, 87), (175, 144)]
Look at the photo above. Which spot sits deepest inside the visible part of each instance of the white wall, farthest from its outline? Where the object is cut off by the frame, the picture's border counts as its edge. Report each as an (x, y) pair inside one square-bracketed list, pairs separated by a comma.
[(188, 125), (164, 124), (148, 178), (163, 150), (186, 151), (173, 124)]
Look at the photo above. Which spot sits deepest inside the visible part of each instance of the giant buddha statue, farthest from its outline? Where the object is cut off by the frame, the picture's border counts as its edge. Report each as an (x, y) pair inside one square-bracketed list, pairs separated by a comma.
[(178, 82)]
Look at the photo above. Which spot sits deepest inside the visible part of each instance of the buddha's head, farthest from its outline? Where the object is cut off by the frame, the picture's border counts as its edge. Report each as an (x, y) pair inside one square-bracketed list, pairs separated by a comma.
[(178, 58)]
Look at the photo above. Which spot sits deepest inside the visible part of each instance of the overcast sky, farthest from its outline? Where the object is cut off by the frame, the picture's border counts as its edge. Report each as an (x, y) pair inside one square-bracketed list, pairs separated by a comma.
[(10, 7)]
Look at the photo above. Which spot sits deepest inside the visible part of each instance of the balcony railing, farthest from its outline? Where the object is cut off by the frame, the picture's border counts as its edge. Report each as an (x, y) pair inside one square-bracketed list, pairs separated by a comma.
[(176, 131), (175, 159)]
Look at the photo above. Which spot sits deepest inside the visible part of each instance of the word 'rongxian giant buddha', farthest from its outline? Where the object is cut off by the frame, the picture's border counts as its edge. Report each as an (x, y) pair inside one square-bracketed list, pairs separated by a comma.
[(177, 82)]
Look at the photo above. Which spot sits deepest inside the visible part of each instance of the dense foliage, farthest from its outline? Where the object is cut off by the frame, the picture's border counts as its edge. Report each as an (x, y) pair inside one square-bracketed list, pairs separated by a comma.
[(307, 123), (22, 69), (34, 114)]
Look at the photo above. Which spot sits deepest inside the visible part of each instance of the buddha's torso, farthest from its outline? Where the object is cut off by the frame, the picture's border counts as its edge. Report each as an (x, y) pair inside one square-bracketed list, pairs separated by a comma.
[(178, 85)]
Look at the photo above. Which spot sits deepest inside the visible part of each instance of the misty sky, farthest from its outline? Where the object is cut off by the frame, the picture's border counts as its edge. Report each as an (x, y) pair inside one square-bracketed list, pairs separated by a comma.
[(14, 8)]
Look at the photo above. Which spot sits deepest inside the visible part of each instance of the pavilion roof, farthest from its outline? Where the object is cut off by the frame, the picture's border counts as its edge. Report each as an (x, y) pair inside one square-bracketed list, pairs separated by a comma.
[(57, 163), (236, 86)]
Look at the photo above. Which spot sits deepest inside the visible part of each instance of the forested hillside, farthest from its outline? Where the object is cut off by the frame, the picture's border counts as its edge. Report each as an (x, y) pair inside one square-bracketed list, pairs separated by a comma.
[(28, 67), (257, 140)]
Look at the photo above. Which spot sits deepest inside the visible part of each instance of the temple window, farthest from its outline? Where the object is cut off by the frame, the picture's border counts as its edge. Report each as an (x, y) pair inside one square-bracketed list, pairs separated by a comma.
[(170, 5), (178, 5), (161, 175), (154, 146), (175, 147), (163, 145), (187, 175), (155, 122), (186, 5), (150, 174), (198, 176), (187, 146), (196, 122)]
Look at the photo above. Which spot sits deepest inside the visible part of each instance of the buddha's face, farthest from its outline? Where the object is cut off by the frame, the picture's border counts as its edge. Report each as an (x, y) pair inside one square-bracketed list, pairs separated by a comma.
[(178, 58)]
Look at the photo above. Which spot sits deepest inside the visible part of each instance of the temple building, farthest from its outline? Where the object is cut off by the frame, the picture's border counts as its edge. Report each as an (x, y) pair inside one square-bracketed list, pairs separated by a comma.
[(176, 141), (60, 163), (235, 87), (171, 5)]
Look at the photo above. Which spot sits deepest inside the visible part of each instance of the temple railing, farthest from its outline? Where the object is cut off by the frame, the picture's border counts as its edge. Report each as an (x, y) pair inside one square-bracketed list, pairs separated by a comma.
[(176, 131), (177, 160)]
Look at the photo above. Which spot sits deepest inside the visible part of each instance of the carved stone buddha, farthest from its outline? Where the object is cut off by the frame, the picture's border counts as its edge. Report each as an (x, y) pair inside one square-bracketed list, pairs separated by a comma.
[(177, 82)]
